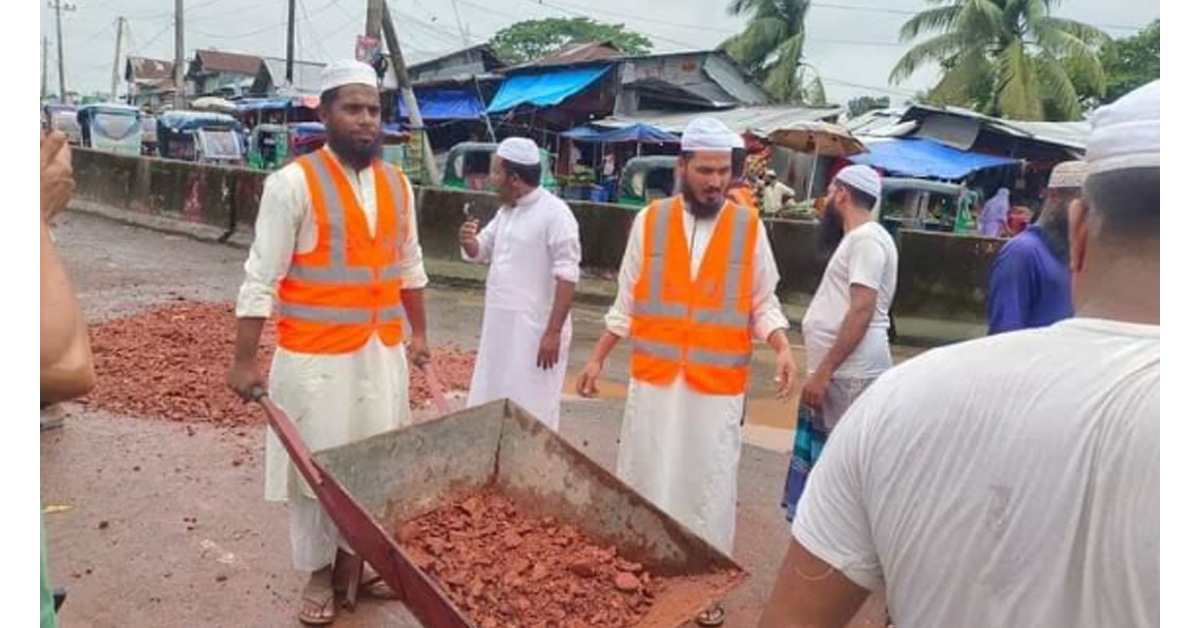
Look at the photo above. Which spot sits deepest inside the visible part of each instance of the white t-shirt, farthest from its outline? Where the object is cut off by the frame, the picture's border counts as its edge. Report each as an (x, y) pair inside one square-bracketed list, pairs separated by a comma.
[(1007, 481), (866, 256)]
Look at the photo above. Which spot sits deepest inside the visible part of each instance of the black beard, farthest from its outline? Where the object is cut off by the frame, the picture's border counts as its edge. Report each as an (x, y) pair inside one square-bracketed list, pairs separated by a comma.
[(699, 209), (357, 157), (831, 229)]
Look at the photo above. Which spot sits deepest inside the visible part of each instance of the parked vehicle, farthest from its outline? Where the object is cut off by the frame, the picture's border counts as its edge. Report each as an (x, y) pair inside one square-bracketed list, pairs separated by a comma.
[(468, 164), (273, 146), (59, 117), (149, 134), (644, 179), (111, 127), (200, 136), (924, 205)]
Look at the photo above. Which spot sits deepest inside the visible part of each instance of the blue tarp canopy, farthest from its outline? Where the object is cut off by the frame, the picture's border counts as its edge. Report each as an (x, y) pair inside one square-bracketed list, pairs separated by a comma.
[(444, 103), (265, 104), (544, 89), (192, 120), (641, 133), (926, 159)]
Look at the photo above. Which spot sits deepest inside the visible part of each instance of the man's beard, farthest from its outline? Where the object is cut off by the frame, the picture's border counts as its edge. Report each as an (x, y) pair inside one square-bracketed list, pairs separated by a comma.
[(1055, 230), (699, 208), (358, 156), (832, 227)]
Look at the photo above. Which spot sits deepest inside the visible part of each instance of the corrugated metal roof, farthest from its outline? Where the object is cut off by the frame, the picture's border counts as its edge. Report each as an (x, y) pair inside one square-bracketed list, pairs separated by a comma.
[(757, 120), (306, 75), (589, 52), (218, 61), (1069, 134), (146, 69)]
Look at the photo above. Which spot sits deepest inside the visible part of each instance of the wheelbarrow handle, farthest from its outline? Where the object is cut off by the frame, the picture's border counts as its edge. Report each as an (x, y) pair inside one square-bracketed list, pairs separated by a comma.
[(286, 430), (435, 387)]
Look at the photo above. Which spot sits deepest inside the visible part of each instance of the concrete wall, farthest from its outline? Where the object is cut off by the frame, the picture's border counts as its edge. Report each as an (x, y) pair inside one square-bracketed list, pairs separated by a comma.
[(942, 276)]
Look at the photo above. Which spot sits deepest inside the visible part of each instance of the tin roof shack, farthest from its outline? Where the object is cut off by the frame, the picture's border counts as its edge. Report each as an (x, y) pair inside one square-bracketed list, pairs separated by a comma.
[(224, 74), (271, 79), (150, 82)]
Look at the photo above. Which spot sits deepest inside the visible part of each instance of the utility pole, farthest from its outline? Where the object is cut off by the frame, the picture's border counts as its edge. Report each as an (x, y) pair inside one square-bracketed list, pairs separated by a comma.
[(45, 59), (415, 124), (180, 87), (116, 75), (291, 43), (59, 6), (375, 11)]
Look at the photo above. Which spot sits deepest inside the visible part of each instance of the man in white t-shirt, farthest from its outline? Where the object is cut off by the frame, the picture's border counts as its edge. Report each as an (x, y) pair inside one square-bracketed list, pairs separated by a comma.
[(1012, 480)]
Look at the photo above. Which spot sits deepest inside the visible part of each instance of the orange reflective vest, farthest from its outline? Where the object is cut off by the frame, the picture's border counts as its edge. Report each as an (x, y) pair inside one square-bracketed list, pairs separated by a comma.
[(335, 297), (742, 194), (698, 326)]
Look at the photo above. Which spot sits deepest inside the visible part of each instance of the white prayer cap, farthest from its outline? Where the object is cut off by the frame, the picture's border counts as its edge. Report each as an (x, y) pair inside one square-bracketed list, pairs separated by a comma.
[(1068, 174), (862, 178), (709, 134), (347, 72), (520, 150), (1125, 134)]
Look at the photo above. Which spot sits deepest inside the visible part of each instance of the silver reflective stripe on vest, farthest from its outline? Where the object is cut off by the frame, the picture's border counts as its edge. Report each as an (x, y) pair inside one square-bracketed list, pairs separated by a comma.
[(400, 196), (657, 349), (325, 314), (393, 313), (337, 271), (654, 306), (712, 358), (391, 272), (729, 314)]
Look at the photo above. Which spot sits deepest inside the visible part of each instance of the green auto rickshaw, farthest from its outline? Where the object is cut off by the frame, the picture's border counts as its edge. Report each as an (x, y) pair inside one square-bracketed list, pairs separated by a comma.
[(468, 164), (644, 179)]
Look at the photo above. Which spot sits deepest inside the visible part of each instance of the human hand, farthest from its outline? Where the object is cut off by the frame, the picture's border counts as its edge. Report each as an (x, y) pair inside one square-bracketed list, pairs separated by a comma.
[(785, 374), (814, 391), (468, 233), (58, 182), (547, 355), (244, 379), (418, 351), (585, 385)]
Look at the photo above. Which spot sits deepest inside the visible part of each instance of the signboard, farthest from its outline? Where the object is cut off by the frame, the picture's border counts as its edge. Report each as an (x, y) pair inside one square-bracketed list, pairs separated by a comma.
[(367, 49)]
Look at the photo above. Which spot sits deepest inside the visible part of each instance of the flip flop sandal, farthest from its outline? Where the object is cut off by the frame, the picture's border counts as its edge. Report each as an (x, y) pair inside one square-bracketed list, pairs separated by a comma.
[(714, 616), (326, 610), (378, 588)]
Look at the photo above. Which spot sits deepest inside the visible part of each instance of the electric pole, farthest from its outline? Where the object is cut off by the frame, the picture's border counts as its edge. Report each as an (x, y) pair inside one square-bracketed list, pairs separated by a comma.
[(415, 124), (291, 43), (116, 75), (180, 87), (45, 58), (59, 6), (374, 18)]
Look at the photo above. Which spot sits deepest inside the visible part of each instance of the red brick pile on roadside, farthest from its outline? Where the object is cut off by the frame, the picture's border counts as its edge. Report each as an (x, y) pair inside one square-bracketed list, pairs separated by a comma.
[(169, 362), (505, 568)]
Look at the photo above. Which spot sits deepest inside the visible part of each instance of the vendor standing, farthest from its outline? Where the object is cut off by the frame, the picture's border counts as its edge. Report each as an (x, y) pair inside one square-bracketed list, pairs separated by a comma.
[(336, 252), (532, 247)]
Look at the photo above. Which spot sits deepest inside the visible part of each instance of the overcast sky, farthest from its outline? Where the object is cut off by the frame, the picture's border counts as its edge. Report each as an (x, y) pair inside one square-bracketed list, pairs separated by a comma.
[(853, 43)]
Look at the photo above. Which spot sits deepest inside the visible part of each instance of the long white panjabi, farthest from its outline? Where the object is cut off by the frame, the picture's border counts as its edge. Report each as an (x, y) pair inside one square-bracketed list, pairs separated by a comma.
[(333, 399), (529, 247), (679, 447)]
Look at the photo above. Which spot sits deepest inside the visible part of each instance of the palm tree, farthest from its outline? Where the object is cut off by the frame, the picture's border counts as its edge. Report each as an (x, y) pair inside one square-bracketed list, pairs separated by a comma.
[(772, 48), (1005, 57)]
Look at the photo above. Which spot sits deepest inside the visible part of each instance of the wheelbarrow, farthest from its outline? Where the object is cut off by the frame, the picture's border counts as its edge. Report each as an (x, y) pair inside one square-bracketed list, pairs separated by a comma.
[(374, 485)]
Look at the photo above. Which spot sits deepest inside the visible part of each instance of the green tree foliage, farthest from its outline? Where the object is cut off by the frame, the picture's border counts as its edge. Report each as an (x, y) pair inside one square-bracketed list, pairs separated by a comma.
[(1009, 58), (1129, 63), (533, 39), (772, 48)]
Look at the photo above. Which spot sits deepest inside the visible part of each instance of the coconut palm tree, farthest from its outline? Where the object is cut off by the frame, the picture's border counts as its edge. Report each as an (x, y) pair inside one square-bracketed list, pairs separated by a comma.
[(1005, 57), (772, 49)]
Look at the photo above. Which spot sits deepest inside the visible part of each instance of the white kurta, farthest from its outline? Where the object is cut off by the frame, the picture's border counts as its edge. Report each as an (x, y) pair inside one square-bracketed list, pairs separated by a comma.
[(679, 447), (333, 399), (529, 248)]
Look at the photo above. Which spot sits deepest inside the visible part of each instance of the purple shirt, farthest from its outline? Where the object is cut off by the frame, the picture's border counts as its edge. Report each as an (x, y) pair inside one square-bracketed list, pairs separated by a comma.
[(1028, 286)]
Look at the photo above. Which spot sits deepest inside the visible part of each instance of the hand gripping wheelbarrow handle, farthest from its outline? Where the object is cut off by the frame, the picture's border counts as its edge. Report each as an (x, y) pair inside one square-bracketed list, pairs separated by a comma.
[(285, 429)]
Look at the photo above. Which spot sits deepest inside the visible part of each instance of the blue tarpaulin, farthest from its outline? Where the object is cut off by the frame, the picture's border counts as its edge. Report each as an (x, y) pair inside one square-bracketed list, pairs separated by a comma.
[(442, 103), (544, 89), (643, 133), (926, 159)]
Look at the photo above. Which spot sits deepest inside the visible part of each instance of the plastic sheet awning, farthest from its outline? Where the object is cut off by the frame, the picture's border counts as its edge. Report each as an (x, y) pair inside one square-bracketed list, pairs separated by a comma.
[(544, 89), (926, 159), (641, 133), (443, 103)]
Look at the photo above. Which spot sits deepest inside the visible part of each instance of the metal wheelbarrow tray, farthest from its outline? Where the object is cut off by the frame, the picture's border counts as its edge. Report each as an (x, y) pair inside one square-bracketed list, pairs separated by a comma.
[(371, 487)]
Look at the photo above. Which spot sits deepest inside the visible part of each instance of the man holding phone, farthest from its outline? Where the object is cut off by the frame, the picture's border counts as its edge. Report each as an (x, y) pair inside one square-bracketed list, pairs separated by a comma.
[(532, 247)]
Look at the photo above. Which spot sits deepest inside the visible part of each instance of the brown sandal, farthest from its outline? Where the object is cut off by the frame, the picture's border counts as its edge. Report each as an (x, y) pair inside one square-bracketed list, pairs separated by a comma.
[(325, 607)]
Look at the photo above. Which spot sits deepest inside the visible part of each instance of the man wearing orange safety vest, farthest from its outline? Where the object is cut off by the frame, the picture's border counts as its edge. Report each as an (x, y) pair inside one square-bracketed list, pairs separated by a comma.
[(697, 285), (336, 256), (740, 191)]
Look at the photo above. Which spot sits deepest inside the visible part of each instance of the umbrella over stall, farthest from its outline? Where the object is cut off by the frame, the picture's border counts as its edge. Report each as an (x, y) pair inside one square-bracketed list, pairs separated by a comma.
[(819, 139)]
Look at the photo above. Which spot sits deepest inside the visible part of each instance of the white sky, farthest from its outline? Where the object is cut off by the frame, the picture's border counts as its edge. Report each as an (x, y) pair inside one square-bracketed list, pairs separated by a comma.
[(853, 43)]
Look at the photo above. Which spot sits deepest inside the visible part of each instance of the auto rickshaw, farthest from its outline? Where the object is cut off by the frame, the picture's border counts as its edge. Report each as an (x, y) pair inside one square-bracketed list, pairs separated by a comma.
[(273, 146), (200, 136), (468, 165), (644, 179), (111, 127)]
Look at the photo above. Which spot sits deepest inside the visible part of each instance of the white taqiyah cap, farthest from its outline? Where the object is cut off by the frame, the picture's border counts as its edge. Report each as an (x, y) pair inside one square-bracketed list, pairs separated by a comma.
[(347, 72), (1125, 134), (519, 150), (709, 134), (1068, 174), (862, 178)]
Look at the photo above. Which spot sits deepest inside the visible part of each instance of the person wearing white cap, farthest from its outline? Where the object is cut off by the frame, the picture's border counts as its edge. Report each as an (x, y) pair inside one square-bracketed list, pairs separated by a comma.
[(336, 256), (1011, 480), (696, 285), (845, 327), (533, 252), (775, 195), (1030, 284)]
